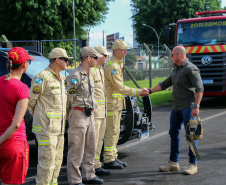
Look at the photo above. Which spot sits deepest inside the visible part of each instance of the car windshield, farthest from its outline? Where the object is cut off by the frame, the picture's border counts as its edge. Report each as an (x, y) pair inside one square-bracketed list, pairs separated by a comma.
[(201, 33), (40, 63)]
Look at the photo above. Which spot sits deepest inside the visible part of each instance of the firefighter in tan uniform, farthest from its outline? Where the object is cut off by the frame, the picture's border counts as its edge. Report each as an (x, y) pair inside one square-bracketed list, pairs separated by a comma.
[(81, 131), (48, 104), (101, 112), (115, 90)]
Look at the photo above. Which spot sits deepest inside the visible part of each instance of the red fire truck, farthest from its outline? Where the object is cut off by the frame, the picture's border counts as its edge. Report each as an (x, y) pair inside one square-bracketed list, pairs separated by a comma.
[(204, 38)]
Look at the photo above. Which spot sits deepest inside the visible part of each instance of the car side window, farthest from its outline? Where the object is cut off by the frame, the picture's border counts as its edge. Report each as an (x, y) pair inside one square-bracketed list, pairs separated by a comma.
[(3, 67)]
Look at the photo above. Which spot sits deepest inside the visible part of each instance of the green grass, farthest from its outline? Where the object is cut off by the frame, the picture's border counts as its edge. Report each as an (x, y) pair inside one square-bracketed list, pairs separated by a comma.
[(158, 98)]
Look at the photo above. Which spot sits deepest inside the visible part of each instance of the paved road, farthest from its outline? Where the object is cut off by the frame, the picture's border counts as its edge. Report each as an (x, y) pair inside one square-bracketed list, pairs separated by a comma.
[(145, 157)]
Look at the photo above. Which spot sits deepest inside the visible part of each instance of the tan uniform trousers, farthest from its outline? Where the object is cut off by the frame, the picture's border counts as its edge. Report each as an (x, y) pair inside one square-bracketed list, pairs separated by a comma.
[(50, 157), (81, 147), (100, 127), (111, 135)]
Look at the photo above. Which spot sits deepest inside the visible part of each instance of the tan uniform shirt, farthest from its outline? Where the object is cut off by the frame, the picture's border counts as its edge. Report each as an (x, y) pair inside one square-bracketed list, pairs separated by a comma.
[(48, 103), (81, 87), (99, 92), (115, 88)]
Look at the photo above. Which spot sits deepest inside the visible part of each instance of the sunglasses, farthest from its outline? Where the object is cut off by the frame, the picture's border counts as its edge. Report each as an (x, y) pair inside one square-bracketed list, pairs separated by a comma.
[(63, 58), (29, 61), (94, 57), (104, 55)]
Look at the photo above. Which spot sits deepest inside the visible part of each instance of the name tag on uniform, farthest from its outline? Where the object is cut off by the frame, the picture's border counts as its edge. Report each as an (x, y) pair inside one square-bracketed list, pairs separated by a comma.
[(113, 72), (39, 80), (74, 81), (55, 87)]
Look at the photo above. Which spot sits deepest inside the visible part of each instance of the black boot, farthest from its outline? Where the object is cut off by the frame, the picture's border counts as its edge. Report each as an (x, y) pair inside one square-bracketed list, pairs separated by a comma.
[(102, 171), (113, 165), (95, 180), (124, 164)]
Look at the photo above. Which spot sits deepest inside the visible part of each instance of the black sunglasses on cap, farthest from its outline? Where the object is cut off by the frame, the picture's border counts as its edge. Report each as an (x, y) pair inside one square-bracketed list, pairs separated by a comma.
[(63, 58)]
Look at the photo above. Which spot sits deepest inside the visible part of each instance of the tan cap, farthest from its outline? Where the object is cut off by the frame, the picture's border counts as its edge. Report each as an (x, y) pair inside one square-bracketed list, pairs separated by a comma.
[(102, 50), (119, 44), (59, 52), (87, 51)]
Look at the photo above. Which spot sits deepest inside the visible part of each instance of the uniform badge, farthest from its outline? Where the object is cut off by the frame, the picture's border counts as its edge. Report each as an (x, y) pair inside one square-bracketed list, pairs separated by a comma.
[(113, 72), (36, 90), (72, 91), (74, 81), (38, 80)]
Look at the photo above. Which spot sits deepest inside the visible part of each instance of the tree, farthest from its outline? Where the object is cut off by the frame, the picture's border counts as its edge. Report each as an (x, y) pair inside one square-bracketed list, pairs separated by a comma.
[(48, 19), (159, 13), (130, 58)]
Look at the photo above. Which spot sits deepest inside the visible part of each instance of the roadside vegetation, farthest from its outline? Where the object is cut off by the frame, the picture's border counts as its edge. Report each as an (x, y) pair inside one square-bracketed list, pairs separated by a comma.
[(158, 98)]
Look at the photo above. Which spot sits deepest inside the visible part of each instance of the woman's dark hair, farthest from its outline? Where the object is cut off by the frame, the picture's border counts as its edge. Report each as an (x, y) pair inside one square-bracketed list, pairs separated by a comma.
[(11, 66)]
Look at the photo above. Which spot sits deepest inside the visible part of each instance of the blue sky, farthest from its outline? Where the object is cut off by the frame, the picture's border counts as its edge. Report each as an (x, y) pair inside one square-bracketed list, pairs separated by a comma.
[(117, 20)]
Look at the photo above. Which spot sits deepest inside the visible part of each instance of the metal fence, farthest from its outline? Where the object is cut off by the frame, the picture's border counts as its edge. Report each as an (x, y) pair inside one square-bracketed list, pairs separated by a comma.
[(72, 46), (160, 66)]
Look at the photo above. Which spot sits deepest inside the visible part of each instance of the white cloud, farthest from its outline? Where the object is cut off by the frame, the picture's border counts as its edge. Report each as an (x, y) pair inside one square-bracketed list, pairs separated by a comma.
[(96, 39), (125, 2)]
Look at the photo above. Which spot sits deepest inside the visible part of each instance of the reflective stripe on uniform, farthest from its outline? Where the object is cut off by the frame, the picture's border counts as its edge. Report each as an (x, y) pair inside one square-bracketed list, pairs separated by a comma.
[(109, 113), (100, 102), (134, 92), (43, 142), (53, 183), (54, 115), (94, 69), (47, 75), (97, 158), (109, 148), (117, 96), (37, 129), (116, 63), (109, 62)]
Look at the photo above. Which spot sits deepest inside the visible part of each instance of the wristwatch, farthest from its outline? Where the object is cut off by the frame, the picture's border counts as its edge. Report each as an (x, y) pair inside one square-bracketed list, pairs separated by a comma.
[(196, 105), (149, 91)]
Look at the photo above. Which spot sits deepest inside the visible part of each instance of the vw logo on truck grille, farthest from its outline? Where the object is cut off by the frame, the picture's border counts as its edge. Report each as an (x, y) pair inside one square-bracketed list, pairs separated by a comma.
[(206, 60)]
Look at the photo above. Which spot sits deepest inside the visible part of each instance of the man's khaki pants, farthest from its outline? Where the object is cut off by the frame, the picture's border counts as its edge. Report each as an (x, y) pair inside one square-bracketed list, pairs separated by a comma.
[(81, 147), (100, 127), (50, 157), (111, 135)]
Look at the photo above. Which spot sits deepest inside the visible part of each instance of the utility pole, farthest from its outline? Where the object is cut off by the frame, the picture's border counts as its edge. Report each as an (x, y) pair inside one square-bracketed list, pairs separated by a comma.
[(74, 30), (150, 73), (157, 35), (103, 37)]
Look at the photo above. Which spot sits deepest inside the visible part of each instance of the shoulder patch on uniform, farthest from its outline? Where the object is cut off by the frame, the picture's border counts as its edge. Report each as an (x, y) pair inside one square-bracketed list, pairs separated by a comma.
[(72, 91), (36, 90), (74, 81), (39, 80), (113, 72)]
